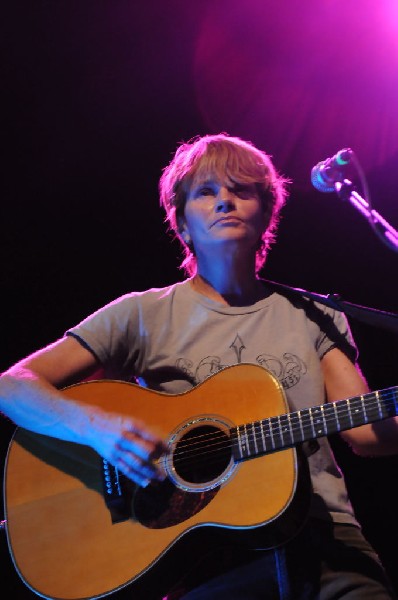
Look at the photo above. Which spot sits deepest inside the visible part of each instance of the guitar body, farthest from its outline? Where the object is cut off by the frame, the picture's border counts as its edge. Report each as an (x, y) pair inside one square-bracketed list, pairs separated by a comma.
[(65, 541)]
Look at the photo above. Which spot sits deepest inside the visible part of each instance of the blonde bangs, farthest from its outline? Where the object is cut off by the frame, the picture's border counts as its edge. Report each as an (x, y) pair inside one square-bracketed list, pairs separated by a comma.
[(225, 159)]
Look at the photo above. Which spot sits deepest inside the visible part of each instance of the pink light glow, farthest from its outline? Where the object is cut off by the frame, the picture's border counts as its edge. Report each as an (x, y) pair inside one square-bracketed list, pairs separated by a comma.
[(303, 82), (389, 9)]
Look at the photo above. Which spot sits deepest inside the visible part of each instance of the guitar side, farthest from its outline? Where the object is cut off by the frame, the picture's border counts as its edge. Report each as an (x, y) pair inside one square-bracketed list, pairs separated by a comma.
[(60, 532)]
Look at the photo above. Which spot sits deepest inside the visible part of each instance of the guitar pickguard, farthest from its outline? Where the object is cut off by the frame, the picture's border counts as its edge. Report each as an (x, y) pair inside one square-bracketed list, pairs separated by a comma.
[(163, 504)]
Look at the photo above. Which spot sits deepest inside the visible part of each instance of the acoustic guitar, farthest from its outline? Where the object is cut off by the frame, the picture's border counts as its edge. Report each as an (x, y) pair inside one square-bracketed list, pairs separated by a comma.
[(77, 529)]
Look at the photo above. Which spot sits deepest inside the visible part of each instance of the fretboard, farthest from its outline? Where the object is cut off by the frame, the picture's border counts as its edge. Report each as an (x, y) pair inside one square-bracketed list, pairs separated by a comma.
[(287, 430)]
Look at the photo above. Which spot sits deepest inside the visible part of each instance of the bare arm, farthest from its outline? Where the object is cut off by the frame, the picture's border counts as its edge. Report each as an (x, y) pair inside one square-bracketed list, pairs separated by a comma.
[(344, 380), (30, 398)]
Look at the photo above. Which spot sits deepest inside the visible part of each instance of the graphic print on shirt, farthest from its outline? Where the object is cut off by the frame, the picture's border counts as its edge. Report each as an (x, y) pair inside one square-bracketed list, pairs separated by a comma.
[(238, 346), (288, 368)]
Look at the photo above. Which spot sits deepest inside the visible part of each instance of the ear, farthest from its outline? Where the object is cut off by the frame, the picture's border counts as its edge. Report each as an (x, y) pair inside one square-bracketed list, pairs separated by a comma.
[(183, 230), (186, 237)]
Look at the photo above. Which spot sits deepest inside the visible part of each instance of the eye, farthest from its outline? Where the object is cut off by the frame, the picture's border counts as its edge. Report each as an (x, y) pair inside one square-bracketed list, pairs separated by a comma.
[(245, 191), (205, 191)]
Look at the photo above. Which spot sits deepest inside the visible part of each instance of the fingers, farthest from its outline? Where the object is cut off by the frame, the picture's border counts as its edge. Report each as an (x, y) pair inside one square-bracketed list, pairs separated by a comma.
[(144, 443), (141, 473), (135, 455)]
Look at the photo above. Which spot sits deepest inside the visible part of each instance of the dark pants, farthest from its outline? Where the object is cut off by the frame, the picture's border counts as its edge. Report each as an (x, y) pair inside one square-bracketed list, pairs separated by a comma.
[(324, 562)]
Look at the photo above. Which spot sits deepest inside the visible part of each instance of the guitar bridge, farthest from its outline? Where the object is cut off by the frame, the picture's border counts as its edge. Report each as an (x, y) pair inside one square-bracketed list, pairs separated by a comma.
[(116, 496)]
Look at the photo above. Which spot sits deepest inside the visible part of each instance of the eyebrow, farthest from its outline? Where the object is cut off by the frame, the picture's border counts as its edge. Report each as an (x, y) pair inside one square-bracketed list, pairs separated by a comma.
[(205, 182), (231, 185)]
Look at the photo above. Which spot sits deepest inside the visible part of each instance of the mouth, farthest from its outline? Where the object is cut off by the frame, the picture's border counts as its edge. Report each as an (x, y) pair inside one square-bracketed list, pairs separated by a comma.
[(227, 220)]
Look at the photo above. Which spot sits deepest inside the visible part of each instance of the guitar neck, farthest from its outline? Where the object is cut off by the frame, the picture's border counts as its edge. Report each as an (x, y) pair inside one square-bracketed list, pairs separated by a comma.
[(287, 430)]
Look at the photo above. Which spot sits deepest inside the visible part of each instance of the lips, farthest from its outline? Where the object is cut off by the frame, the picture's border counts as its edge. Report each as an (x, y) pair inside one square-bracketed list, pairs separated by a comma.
[(227, 220)]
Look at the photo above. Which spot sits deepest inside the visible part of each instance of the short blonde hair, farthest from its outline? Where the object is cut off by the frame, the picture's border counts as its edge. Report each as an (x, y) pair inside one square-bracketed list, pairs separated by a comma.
[(221, 155)]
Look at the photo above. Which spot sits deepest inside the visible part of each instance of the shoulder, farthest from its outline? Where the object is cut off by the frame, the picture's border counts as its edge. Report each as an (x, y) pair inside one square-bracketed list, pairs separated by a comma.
[(149, 296), (331, 326), (156, 295), (128, 308), (300, 299)]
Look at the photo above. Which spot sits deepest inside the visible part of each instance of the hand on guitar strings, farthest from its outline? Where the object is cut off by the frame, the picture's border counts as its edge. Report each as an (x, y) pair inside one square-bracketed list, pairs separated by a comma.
[(130, 447)]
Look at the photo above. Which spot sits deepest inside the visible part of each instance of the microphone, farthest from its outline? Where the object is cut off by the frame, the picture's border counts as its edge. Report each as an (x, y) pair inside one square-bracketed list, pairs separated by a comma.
[(330, 171)]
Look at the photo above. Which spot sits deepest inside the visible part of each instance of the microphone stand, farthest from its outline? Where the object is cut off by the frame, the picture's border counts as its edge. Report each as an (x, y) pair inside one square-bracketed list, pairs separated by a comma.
[(345, 190), (371, 316)]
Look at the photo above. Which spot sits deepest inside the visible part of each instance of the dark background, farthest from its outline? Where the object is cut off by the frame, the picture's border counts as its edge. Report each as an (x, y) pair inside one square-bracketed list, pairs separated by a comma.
[(97, 95)]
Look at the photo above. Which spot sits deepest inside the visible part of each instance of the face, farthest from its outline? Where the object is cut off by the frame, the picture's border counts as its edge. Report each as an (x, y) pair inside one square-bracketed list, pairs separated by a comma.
[(222, 212)]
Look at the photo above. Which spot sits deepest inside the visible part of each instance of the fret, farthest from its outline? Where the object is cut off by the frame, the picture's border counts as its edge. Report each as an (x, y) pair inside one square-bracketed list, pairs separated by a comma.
[(364, 409), (234, 432), (286, 432), (393, 406), (372, 407), (254, 437), (295, 427), (312, 422), (239, 443), (379, 405), (266, 434), (247, 440), (290, 430), (349, 412), (242, 442), (282, 431), (306, 424), (299, 420), (329, 418), (263, 436), (356, 411), (275, 430), (337, 416), (318, 423), (325, 425), (388, 408), (271, 433), (344, 416)]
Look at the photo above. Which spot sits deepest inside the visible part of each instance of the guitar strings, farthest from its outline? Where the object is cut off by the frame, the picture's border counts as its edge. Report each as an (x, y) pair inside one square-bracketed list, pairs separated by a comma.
[(254, 432), (288, 416), (310, 425)]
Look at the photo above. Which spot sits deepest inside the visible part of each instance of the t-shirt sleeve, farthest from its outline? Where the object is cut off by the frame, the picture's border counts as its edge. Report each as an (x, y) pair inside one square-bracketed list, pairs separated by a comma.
[(335, 332), (111, 334)]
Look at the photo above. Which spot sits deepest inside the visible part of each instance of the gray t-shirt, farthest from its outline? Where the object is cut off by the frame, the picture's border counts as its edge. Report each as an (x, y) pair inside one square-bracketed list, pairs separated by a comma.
[(171, 339)]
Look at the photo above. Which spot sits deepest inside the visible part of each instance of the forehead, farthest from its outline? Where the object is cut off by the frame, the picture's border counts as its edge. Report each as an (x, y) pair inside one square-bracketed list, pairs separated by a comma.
[(218, 174), (226, 164), (206, 175), (210, 177)]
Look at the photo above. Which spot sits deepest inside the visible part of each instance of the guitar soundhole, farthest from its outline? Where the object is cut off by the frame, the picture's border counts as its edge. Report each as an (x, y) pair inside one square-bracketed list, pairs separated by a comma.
[(202, 454), (200, 459)]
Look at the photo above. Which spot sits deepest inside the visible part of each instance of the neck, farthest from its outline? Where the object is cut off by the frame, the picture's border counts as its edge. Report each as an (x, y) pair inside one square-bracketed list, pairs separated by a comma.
[(229, 276), (232, 288)]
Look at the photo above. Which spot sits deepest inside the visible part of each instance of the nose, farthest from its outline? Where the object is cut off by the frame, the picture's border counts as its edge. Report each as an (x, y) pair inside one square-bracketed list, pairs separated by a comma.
[(225, 202)]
